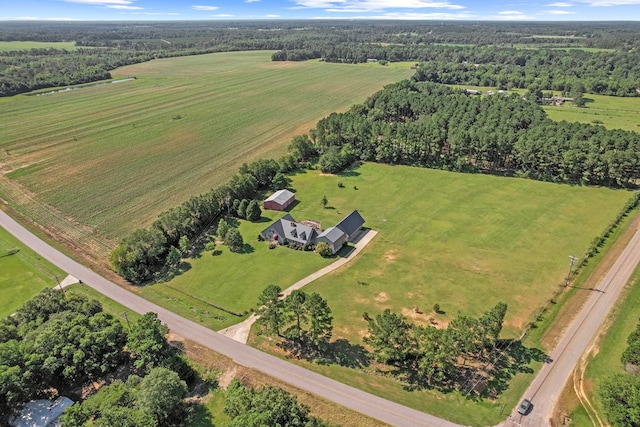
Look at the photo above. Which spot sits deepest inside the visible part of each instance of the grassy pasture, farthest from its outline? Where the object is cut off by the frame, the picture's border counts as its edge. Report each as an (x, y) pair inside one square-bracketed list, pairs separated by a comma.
[(112, 157), (611, 111), (23, 274), (26, 45), (463, 241)]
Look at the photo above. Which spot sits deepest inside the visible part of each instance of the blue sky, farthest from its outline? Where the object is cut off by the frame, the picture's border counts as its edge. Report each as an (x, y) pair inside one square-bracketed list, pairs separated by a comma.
[(523, 10)]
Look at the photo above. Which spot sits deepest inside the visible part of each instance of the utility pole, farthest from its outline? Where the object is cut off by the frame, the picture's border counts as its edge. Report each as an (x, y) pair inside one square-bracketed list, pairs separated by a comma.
[(126, 317), (59, 284), (572, 260)]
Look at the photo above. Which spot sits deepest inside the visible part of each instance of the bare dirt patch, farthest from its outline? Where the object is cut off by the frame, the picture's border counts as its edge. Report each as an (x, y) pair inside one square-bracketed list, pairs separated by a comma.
[(226, 377), (391, 255), (382, 297)]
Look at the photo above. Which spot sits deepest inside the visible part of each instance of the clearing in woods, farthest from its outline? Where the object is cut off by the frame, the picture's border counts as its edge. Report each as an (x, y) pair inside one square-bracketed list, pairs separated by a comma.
[(113, 157)]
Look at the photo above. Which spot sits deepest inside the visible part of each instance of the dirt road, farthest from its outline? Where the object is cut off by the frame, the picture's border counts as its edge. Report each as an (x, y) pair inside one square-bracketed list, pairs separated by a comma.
[(352, 398), (548, 384)]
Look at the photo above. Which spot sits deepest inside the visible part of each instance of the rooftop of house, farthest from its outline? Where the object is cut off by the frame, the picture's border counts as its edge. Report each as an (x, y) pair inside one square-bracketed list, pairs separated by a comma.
[(351, 223)]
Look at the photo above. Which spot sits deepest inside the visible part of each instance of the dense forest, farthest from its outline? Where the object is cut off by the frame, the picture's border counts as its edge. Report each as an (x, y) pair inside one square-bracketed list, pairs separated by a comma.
[(551, 55), (427, 124), (58, 342)]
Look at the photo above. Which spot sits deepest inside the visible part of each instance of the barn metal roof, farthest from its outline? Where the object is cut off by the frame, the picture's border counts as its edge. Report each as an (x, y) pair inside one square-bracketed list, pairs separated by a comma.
[(280, 197)]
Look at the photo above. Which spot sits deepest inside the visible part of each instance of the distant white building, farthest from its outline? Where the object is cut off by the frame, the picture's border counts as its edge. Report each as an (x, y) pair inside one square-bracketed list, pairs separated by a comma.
[(42, 413)]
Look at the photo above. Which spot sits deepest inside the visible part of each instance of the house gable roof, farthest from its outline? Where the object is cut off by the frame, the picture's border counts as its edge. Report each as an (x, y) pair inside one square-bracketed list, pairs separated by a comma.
[(333, 234), (296, 231), (351, 223), (280, 197)]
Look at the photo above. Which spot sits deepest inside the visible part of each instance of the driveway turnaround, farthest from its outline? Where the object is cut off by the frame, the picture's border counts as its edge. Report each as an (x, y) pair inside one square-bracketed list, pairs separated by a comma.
[(350, 397)]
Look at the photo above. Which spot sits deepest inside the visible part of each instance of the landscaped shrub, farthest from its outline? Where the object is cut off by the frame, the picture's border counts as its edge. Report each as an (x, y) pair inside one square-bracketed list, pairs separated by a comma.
[(323, 249)]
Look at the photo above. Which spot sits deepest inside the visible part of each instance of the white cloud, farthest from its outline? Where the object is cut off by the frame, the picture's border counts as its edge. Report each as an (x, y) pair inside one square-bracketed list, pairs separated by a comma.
[(510, 15), (251, 1), (559, 5), (199, 7), (365, 6), (600, 3), (273, 16), (101, 2), (124, 7), (558, 12), (161, 13)]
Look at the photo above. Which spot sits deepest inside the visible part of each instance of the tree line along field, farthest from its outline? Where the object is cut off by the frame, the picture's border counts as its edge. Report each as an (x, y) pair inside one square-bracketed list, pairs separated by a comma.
[(6, 46), (612, 112), (112, 157)]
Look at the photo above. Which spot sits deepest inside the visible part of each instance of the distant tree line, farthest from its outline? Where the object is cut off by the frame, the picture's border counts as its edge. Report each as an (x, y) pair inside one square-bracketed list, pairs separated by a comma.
[(456, 52), (426, 124), (58, 341), (614, 73)]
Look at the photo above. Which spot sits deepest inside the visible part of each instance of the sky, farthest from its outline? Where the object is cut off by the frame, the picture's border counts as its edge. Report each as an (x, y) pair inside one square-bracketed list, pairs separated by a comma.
[(494, 10)]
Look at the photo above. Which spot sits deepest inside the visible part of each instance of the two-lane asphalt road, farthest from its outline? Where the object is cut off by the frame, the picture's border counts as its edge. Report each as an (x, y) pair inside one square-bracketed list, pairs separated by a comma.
[(368, 404), (550, 381)]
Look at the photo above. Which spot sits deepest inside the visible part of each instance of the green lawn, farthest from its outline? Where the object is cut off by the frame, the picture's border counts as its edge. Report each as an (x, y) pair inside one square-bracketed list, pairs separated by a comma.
[(22, 274), (233, 281), (606, 362), (26, 45), (114, 156), (463, 241)]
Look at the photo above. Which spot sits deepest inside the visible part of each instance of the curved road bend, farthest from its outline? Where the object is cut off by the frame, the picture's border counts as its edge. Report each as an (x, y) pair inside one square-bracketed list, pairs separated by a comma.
[(352, 398), (545, 389)]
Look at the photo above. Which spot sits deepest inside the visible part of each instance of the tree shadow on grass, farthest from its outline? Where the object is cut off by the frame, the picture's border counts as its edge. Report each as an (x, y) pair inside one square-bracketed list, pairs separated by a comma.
[(170, 273), (339, 352), (246, 249), (515, 359)]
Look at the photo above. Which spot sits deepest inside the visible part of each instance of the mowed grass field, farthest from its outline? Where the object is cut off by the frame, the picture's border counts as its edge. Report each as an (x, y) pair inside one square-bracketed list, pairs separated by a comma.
[(609, 111), (23, 274), (26, 45), (463, 241), (113, 157)]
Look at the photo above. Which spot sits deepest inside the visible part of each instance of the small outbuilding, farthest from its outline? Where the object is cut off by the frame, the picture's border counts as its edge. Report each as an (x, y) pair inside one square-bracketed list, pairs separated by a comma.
[(280, 200), (42, 413)]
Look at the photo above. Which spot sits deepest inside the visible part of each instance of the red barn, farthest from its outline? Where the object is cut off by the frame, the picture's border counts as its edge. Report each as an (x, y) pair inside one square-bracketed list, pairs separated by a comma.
[(279, 200)]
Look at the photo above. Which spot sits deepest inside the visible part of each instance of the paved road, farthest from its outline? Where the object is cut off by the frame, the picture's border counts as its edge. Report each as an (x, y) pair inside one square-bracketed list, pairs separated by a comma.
[(550, 381), (240, 331), (373, 406)]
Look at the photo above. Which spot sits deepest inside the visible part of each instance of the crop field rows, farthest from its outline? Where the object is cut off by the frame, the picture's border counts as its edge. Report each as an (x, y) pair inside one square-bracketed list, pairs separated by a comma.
[(112, 157)]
